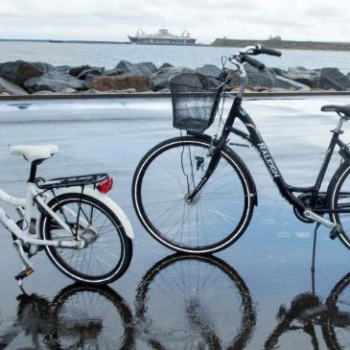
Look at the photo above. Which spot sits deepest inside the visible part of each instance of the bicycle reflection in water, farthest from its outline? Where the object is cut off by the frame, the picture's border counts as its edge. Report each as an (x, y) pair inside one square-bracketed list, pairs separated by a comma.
[(175, 309), (307, 312), (79, 317), (182, 302)]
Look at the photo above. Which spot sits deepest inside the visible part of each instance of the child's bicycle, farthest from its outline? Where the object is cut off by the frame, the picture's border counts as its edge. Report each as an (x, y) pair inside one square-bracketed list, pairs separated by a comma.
[(86, 235), (194, 194)]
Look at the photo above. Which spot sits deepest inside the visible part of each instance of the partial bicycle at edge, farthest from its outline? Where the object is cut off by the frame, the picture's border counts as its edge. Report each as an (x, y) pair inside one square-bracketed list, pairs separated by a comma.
[(195, 194), (86, 235)]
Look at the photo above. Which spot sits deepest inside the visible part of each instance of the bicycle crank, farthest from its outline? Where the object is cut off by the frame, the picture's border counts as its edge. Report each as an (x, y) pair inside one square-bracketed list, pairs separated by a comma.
[(335, 229)]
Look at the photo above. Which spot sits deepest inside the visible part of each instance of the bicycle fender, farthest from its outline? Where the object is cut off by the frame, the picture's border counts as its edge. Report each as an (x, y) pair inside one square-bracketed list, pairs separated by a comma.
[(335, 178), (112, 205), (244, 168)]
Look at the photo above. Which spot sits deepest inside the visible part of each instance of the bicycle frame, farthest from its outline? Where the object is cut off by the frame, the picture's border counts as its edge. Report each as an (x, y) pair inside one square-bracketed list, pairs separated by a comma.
[(310, 212), (37, 196), (286, 190)]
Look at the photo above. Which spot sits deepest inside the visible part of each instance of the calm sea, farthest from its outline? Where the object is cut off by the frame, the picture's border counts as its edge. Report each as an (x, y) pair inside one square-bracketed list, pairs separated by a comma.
[(108, 55)]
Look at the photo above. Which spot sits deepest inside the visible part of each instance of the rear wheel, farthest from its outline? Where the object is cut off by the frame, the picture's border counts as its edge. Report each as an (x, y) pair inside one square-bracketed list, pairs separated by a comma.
[(216, 217), (339, 202), (108, 251)]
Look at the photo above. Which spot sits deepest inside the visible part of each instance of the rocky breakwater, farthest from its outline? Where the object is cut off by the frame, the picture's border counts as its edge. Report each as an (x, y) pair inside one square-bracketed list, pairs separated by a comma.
[(23, 78)]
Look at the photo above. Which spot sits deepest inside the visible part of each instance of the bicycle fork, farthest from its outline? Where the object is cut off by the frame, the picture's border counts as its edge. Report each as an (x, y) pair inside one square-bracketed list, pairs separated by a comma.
[(214, 161)]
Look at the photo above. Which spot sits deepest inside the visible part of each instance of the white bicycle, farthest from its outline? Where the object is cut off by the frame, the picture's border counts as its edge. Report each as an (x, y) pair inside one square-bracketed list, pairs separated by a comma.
[(86, 234)]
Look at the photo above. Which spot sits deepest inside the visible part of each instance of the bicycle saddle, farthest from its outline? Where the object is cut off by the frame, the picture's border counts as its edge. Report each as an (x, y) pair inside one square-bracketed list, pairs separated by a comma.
[(32, 153), (339, 109)]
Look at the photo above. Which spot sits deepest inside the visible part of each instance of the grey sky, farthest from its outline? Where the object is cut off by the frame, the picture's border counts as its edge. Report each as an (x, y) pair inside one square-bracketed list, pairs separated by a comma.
[(205, 19)]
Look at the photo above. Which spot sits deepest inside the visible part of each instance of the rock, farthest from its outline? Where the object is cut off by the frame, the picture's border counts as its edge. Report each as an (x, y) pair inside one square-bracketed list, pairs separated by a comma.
[(53, 81), (332, 78), (301, 75), (141, 77), (90, 71), (160, 80), (43, 92), (144, 68), (11, 88), (166, 65), (119, 82), (75, 71), (46, 67), (256, 78), (19, 71), (210, 70), (112, 72), (284, 83)]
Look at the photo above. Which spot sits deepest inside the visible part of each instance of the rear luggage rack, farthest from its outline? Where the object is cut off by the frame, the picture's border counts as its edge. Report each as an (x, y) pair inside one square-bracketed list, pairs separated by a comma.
[(69, 181)]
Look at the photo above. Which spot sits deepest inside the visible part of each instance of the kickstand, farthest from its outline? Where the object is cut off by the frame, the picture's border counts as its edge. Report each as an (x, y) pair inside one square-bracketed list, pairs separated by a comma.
[(21, 286), (313, 268)]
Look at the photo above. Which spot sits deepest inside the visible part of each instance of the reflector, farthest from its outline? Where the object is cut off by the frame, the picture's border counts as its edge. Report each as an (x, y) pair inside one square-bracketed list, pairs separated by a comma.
[(105, 185)]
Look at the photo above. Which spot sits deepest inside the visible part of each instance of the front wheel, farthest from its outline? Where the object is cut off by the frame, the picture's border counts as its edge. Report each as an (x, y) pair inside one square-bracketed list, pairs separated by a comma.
[(108, 249), (219, 213)]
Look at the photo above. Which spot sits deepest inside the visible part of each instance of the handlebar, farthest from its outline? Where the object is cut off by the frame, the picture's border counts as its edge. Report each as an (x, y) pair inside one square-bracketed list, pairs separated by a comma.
[(271, 52), (253, 62), (244, 55)]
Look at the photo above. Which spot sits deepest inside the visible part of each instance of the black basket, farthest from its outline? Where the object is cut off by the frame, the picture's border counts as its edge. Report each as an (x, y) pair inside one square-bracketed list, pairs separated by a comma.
[(195, 99)]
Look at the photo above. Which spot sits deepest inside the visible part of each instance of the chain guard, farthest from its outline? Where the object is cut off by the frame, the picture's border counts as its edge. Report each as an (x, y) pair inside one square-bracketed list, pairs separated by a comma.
[(306, 199)]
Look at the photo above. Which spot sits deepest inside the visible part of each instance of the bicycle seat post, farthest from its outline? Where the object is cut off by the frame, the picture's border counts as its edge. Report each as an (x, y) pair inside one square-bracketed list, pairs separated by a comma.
[(33, 170)]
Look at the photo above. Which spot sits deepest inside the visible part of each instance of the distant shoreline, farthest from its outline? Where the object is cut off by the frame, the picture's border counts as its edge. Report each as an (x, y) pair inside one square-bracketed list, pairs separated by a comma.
[(284, 44), (66, 41), (224, 42)]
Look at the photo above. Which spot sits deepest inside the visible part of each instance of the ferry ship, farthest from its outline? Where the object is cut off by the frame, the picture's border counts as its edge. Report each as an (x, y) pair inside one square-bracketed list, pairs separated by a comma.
[(163, 37)]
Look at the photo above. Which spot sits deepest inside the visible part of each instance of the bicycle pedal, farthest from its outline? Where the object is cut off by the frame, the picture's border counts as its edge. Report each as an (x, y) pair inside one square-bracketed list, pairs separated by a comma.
[(334, 233), (23, 274)]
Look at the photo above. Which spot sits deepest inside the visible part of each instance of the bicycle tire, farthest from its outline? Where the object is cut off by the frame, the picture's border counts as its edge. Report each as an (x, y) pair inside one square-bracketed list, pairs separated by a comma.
[(184, 285), (336, 331), (109, 250), (338, 195), (219, 215)]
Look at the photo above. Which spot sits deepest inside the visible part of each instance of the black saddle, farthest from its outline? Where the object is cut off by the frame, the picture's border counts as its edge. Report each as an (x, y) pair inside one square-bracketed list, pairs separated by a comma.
[(345, 110)]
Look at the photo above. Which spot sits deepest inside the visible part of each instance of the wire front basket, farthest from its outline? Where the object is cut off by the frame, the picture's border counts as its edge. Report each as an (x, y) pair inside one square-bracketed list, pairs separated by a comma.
[(195, 100)]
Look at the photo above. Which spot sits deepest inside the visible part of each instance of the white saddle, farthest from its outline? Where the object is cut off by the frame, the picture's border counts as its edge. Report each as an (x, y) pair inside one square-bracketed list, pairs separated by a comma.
[(32, 153)]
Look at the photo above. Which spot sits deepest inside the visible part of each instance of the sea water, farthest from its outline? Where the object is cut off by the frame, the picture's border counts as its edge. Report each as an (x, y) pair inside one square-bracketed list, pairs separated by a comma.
[(109, 55)]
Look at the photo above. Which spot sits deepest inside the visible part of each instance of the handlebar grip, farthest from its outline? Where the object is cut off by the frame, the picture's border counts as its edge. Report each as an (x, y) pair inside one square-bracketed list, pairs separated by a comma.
[(271, 52), (255, 63)]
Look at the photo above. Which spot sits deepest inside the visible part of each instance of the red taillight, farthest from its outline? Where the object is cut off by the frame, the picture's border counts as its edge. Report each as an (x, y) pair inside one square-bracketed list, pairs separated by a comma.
[(105, 185)]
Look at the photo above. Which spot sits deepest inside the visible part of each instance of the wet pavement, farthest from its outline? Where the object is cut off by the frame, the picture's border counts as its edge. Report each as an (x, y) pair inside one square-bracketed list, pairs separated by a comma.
[(260, 293)]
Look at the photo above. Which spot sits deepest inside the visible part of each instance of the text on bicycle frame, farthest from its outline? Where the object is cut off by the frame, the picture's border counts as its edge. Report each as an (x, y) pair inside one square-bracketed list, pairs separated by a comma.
[(268, 160)]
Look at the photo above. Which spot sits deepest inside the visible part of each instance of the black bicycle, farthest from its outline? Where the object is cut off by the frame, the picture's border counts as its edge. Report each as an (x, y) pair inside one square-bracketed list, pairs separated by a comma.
[(194, 194)]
